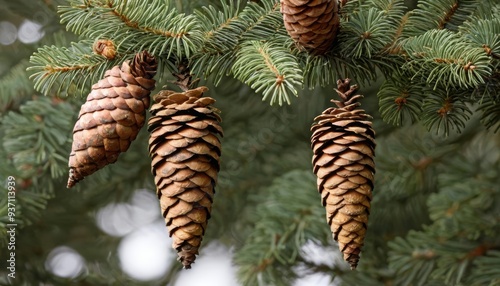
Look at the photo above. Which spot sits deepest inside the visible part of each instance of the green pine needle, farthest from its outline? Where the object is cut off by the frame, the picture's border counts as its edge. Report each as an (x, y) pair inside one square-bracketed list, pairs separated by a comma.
[(269, 69), (443, 111), (135, 25), (431, 14), (490, 113), (443, 58), (400, 103), (366, 33), (64, 71)]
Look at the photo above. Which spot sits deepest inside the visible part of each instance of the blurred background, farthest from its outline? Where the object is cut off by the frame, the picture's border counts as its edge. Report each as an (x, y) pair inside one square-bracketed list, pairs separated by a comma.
[(267, 223)]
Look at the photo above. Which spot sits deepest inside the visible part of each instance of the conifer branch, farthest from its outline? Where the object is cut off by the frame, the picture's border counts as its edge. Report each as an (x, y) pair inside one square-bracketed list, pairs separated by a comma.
[(441, 57), (219, 25), (35, 138), (490, 112), (270, 69), (225, 31), (437, 15), (264, 21), (484, 269), (485, 34), (134, 26), (444, 110), (285, 226), (68, 70), (400, 102), (16, 86), (366, 33), (392, 9)]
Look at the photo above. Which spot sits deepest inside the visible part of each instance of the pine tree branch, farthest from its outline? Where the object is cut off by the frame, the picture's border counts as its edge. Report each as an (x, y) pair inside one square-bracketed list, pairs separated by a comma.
[(16, 87), (217, 26), (68, 70), (366, 34), (35, 139), (485, 270), (465, 224), (441, 57), (444, 110), (278, 236), (270, 69), (485, 33), (400, 102), (490, 112), (134, 26), (438, 15), (225, 31), (264, 21)]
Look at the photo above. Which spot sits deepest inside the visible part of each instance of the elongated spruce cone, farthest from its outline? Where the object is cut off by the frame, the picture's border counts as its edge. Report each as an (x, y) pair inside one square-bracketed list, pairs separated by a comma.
[(111, 117), (185, 151), (312, 24), (343, 144)]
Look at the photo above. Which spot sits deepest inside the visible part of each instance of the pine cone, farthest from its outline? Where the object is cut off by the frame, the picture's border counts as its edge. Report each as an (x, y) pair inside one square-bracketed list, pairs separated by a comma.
[(343, 144), (312, 24), (185, 153), (111, 117)]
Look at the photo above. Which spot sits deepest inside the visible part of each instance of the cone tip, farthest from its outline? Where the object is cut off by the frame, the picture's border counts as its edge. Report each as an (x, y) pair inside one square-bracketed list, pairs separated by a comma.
[(353, 261), (187, 255), (72, 179), (70, 183)]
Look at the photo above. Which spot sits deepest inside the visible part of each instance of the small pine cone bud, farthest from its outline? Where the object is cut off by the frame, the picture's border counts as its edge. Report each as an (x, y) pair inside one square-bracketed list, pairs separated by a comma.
[(105, 48), (312, 24), (185, 151), (343, 144), (111, 117)]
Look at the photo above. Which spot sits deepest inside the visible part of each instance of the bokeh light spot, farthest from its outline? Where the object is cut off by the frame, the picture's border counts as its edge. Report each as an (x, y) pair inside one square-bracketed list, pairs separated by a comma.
[(213, 267), (64, 262), (30, 32), (8, 33), (119, 219), (145, 254)]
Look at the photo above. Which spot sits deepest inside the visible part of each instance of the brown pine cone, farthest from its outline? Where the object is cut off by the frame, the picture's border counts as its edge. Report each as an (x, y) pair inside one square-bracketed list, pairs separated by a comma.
[(111, 117), (343, 143), (312, 24), (185, 152)]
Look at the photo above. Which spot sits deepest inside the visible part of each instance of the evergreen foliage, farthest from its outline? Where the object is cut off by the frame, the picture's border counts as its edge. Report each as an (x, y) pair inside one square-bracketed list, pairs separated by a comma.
[(431, 80)]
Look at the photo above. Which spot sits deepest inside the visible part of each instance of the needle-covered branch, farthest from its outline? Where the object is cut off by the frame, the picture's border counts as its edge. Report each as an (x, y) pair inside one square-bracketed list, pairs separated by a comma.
[(268, 69)]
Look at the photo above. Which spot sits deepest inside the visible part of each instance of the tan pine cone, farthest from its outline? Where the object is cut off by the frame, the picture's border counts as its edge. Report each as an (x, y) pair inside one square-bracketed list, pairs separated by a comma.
[(185, 151), (312, 24), (105, 48), (343, 144), (111, 117)]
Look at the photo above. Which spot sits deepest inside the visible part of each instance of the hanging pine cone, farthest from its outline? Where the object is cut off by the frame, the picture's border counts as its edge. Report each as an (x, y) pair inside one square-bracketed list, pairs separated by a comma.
[(343, 144), (312, 24), (111, 117), (185, 151)]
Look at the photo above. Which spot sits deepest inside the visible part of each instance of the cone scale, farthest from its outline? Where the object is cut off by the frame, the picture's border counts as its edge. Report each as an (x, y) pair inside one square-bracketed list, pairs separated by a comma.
[(312, 24), (184, 147), (111, 117), (343, 143)]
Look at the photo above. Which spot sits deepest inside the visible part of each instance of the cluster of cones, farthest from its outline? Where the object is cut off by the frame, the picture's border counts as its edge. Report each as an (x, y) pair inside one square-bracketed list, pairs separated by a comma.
[(184, 144), (185, 148)]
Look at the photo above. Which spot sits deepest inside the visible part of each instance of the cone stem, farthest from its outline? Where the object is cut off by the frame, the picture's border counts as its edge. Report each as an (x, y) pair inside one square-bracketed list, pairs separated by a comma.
[(183, 76)]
